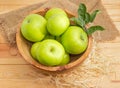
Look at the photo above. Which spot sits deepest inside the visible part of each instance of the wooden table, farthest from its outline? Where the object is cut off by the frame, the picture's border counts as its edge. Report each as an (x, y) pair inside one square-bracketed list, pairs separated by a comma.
[(10, 66)]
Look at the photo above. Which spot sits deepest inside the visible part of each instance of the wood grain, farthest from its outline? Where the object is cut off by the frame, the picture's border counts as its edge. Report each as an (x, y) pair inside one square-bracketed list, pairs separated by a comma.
[(15, 70), (9, 5)]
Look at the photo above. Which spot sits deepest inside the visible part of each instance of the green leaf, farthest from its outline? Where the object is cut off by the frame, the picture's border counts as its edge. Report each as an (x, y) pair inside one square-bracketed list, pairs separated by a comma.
[(93, 15), (92, 29), (87, 18), (84, 18), (82, 10), (80, 21)]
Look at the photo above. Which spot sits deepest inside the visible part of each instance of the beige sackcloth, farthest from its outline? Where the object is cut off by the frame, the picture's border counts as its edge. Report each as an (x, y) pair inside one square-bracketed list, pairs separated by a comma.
[(86, 75)]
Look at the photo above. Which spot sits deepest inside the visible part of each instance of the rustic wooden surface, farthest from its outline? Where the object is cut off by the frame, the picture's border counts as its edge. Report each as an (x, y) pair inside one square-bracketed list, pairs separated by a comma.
[(16, 72)]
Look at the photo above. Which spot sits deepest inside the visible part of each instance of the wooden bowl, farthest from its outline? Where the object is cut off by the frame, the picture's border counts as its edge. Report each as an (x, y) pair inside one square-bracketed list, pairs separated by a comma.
[(24, 49)]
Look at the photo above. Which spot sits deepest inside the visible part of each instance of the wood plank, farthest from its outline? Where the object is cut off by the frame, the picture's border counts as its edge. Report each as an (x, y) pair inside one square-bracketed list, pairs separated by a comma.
[(8, 52), (20, 72), (13, 76), (114, 12), (113, 2), (115, 18), (111, 6), (113, 9), (110, 51), (25, 84), (106, 83), (117, 25), (19, 2), (7, 58), (13, 61), (27, 76), (4, 46), (15, 4)]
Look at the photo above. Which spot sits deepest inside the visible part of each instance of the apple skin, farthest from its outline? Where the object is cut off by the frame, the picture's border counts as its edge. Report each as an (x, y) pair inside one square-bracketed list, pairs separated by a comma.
[(57, 24), (33, 27), (65, 60), (34, 48), (51, 52), (54, 11), (74, 40)]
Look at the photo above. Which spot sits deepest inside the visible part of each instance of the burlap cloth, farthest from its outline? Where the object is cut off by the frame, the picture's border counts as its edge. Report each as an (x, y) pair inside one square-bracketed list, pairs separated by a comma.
[(86, 75)]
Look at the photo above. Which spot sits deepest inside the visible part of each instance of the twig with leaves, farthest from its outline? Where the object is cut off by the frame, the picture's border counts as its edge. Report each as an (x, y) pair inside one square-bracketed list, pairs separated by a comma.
[(85, 18)]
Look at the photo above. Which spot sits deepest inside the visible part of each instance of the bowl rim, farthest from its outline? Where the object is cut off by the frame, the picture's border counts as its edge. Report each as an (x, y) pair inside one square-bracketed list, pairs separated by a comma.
[(49, 68)]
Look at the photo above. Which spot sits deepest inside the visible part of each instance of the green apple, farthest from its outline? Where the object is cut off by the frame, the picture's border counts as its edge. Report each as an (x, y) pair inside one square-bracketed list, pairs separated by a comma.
[(54, 11), (50, 52), (33, 27), (57, 24), (66, 59), (74, 40), (34, 48)]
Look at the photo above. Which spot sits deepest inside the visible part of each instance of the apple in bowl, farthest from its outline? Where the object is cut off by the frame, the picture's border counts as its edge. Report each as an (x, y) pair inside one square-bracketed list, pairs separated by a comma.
[(75, 40), (33, 27)]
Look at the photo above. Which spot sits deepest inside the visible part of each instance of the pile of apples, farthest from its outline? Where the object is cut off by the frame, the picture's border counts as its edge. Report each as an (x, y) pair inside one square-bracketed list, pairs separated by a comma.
[(53, 37)]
